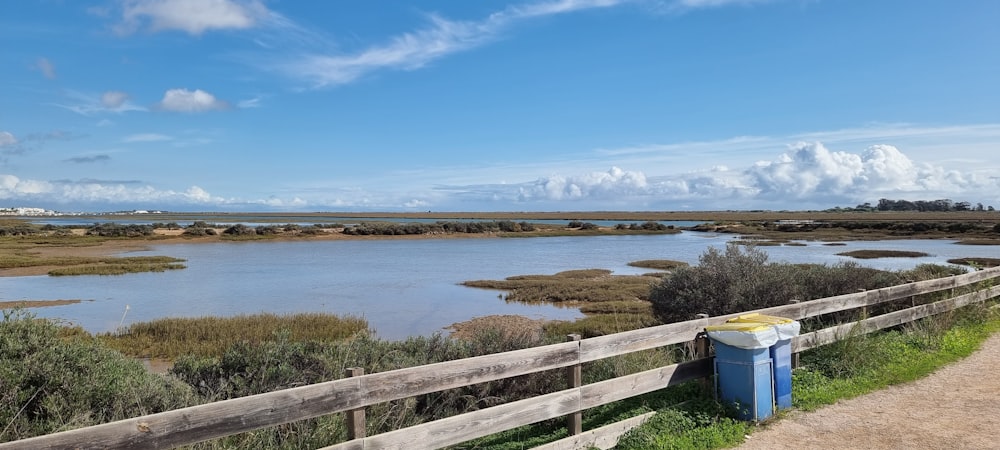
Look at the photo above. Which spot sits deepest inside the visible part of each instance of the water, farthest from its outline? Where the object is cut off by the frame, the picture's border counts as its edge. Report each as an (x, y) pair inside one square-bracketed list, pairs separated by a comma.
[(402, 287)]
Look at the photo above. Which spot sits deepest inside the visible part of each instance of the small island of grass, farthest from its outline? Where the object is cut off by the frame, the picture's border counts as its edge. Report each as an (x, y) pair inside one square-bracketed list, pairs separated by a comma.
[(872, 254), (658, 264), (976, 262)]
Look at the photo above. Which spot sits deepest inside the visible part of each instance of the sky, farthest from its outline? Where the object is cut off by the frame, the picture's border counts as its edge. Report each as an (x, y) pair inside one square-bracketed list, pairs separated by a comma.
[(533, 105)]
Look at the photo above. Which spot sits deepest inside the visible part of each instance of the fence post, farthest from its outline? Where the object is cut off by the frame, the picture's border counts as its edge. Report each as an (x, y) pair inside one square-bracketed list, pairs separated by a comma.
[(864, 309), (355, 417), (574, 377), (701, 350)]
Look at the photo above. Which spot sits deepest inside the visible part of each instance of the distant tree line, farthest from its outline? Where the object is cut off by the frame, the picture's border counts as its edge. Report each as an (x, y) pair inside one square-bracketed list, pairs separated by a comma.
[(885, 204)]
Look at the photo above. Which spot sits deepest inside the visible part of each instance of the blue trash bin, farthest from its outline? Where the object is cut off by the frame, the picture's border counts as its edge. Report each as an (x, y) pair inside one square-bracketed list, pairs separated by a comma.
[(744, 367), (780, 352)]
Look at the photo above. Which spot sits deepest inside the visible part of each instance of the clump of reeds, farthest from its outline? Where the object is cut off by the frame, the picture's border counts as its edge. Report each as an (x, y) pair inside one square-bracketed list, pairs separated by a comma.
[(211, 336), (872, 254)]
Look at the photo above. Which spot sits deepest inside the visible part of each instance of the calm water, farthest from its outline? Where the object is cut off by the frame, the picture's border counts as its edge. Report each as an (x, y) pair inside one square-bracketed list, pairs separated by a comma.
[(402, 287)]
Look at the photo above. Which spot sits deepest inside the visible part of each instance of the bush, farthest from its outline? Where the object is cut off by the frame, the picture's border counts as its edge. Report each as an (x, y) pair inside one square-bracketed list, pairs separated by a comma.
[(119, 230), (49, 383), (741, 279), (239, 230)]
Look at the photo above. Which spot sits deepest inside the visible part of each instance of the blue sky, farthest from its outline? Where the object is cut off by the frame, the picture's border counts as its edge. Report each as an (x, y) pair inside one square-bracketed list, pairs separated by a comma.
[(561, 105)]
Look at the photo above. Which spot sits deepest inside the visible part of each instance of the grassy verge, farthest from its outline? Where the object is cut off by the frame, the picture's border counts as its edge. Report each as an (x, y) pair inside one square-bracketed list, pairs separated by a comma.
[(867, 363)]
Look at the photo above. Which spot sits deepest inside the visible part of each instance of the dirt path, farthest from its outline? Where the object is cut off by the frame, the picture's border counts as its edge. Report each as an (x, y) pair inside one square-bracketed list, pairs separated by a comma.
[(957, 407)]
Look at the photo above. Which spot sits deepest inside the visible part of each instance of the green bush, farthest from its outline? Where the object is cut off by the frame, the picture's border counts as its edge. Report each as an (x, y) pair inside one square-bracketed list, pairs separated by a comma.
[(741, 279), (49, 383)]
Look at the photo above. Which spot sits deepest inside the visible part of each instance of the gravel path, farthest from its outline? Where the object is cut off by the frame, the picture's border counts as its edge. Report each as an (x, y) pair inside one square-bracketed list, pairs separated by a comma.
[(957, 407)]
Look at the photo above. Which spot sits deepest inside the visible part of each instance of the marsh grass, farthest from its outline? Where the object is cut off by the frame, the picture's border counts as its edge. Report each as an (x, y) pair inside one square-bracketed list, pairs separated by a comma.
[(659, 264), (979, 242), (35, 303), (22, 254), (976, 262), (589, 285), (872, 254), (212, 336), (611, 303)]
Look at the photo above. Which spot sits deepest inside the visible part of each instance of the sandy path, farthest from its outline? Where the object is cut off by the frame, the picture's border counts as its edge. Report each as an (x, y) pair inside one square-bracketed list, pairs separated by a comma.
[(957, 407)]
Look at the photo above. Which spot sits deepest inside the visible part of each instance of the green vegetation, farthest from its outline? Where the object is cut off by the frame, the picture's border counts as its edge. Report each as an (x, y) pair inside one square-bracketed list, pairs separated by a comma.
[(418, 228), (121, 266), (658, 264), (49, 384), (612, 303), (741, 279), (976, 262), (872, 254), (212, 336), (981, 241), (866, 363), (81, 265)]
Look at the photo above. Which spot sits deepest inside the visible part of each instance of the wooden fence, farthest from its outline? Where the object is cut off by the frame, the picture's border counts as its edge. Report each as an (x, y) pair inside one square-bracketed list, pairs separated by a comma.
[(351, 395)]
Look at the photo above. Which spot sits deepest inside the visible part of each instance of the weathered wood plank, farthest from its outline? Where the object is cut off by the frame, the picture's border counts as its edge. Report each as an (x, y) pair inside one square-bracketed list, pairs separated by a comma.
[(839, 332), (605, 437), (409, 382), (198, 423), (604, 392), (464, 427)]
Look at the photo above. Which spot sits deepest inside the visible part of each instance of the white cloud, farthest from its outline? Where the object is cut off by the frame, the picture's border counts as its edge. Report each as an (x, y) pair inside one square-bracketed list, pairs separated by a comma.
[(190, 16), (183, 100), (416, 49), (146, 137), (7, 139), (46, 67), (113, 99)]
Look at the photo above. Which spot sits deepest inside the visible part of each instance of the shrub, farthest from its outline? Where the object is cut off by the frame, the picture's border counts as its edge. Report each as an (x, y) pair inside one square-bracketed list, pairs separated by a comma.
[(49, 383), (739, 280), (119, 230), (239, 230)]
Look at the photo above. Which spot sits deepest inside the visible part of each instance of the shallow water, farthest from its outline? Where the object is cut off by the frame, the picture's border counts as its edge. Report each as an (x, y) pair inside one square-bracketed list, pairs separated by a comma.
[(402, 287)]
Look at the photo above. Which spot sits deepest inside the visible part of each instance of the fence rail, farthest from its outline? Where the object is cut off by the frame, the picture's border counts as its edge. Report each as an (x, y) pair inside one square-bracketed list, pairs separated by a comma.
[(214, 420)]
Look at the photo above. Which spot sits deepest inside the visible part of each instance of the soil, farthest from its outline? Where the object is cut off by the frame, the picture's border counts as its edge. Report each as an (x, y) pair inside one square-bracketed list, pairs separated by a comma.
[(957, 407)]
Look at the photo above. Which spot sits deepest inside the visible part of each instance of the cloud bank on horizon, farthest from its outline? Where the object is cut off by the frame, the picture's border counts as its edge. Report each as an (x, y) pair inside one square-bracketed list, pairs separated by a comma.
[(254, 105)]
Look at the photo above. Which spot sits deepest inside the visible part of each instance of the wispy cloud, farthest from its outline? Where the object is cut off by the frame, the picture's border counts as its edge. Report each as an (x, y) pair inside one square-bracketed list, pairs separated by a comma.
[(47, 68), (88, 159), (109, 102), (146, 137), (415, 49)]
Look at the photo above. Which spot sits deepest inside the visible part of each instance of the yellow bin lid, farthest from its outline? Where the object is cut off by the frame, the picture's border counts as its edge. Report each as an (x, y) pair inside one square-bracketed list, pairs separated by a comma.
[(760, 318), (740, 326)]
